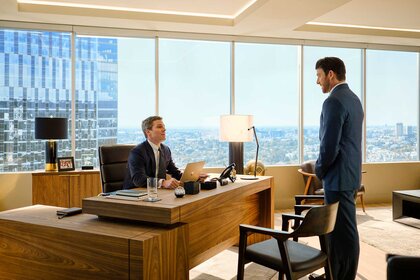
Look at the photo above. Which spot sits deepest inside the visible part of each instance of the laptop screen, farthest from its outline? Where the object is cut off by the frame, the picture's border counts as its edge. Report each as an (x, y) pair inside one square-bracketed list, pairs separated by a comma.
[(192, 171)]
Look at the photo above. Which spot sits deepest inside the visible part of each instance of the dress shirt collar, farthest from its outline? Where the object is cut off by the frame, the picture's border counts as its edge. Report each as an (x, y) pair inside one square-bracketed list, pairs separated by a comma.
[(154, 146), (337, 86)]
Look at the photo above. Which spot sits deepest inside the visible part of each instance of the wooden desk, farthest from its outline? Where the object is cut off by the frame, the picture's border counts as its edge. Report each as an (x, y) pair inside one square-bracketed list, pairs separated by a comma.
[(35, 244), (213, 216)]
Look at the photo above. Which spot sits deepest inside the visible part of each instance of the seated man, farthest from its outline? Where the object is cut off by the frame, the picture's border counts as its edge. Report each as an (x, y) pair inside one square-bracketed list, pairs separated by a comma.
[(152, 158)]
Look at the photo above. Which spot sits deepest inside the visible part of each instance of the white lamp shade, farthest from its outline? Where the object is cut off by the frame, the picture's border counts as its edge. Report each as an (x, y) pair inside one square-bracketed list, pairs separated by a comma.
[(234, 128)]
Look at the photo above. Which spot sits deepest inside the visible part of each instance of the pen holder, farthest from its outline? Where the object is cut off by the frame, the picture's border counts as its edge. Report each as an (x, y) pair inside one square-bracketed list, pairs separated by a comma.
[(192, 187)]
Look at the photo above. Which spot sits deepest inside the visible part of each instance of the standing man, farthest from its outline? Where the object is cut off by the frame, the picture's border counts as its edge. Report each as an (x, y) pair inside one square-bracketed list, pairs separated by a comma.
[(152, 158), (339, 162)]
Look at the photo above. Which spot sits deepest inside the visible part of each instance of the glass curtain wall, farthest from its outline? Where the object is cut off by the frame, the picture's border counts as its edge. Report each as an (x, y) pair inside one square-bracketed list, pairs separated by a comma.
[(194, 90), (392, 101), (115, 90), (35, 69), (267, 87)]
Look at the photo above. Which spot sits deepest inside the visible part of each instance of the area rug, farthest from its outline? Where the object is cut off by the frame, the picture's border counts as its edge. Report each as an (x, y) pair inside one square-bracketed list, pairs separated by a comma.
[(377, 229)]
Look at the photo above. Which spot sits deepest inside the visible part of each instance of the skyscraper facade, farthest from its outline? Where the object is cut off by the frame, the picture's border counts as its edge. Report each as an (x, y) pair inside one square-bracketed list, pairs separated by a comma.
[(35, 81)]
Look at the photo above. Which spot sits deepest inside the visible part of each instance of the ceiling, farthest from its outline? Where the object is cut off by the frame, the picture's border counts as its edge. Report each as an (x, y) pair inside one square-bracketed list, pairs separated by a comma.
[(365, 21)]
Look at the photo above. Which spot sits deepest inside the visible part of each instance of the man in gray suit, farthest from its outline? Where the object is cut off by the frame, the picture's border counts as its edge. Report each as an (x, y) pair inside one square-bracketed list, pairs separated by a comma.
[(340, 161)]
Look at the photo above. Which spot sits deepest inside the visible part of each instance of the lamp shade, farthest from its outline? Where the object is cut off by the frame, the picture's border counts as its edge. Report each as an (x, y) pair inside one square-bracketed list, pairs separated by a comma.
[(234, 128), (51, 128)]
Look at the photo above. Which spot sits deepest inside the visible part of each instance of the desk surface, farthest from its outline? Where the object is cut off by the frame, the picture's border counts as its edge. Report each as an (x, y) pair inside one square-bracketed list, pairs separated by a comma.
[(169, 209)]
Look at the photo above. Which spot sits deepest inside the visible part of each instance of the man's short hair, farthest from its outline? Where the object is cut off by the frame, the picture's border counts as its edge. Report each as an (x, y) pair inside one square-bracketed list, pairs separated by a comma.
[(148, 123), (334, 64)]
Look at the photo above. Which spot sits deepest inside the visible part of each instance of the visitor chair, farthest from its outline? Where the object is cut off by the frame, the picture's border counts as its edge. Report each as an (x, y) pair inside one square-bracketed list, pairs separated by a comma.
[(314, 190), (291, 259), (113, 165)]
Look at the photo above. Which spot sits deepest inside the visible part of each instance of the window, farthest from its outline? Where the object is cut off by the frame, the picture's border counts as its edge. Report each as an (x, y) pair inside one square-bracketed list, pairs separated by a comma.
[(392, 106), (115, 91), (313, 96), (34, 70), (194, 90), (267, 87)]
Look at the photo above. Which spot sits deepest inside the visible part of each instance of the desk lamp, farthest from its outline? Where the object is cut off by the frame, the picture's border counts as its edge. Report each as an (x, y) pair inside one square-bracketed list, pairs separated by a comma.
[(51, 129), (234, 129)]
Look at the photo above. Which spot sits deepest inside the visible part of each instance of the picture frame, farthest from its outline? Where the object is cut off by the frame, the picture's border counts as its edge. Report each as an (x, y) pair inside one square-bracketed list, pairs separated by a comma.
[(65, 163)]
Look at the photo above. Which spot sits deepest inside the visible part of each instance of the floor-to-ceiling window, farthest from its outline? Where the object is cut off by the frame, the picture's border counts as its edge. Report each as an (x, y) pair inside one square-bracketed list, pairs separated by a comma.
[(34, 82), (392, 105), (267, 87), (194, 90), (115, 91)]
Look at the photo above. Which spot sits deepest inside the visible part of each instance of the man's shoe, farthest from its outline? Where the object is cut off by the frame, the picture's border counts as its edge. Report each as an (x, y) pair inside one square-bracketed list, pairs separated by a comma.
[(315, 276)]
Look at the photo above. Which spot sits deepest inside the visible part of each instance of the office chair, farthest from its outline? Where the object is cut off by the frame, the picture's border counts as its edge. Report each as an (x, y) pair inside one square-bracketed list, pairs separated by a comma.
[(290, 258), (402, 267), (314, 191), (113, 165)]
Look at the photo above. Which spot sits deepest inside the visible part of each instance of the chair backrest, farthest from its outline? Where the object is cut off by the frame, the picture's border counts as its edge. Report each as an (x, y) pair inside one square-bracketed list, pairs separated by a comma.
[(309, 167), (113, 165), (319, 220)]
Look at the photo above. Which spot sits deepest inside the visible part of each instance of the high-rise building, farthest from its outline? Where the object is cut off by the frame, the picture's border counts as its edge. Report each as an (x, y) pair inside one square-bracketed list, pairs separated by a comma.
[(35, 80), (399, 128)]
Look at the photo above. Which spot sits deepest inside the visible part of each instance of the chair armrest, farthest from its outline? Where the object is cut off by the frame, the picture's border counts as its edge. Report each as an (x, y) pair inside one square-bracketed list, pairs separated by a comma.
[(300, 197), (285, 218), (278, 234), (306, 173)]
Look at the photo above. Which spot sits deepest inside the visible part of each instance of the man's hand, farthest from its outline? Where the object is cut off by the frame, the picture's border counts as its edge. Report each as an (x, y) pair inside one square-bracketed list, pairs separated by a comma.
[(202, 177), (170, 184)]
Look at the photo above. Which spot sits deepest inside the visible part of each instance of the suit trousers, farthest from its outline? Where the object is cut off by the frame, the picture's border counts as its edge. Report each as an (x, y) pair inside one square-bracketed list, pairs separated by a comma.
[(343, 241)]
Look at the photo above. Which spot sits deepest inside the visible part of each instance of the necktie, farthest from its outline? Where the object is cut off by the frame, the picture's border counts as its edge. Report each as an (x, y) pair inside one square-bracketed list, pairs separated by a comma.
[(161, 170)]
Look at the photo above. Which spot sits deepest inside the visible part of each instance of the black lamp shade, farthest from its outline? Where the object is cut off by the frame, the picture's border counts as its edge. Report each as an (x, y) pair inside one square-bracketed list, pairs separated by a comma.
[(51, 128)]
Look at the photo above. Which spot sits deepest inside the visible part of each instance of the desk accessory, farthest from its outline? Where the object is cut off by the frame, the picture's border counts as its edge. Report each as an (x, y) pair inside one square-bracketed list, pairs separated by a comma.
[(133, 193), (208, 185), (192, 187), (68, 212), (179, 192), (87, 167)]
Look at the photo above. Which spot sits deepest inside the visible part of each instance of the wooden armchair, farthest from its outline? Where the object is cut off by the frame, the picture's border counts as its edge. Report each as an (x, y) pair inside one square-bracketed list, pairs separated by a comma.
[(314, 190), (288, 257)]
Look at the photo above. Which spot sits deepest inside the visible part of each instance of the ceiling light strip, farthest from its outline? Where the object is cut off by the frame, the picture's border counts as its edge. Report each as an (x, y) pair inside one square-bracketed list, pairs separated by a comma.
[(362, 26)]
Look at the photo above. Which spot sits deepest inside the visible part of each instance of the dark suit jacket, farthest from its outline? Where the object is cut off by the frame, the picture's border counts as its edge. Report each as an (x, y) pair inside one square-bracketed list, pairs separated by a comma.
[(339, 164), (141, 164)]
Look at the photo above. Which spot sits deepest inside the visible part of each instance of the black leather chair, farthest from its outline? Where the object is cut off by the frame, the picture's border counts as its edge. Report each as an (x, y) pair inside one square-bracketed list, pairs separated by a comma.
[(288, 257), (403, 267), (113, 164)]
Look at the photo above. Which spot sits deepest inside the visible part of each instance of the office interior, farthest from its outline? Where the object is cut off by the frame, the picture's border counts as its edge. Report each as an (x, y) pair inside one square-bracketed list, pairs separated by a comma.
[(376, 24)]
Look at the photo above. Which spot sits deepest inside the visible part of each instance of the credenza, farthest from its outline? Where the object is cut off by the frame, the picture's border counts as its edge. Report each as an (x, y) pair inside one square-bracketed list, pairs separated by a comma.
[(65, 189)]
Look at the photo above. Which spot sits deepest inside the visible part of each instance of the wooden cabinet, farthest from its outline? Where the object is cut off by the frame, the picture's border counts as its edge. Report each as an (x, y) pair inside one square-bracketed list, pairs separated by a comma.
[(65, 189)]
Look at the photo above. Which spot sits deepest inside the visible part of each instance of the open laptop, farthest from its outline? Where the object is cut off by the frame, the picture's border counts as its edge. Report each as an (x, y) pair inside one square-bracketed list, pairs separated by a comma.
[(192, 171)]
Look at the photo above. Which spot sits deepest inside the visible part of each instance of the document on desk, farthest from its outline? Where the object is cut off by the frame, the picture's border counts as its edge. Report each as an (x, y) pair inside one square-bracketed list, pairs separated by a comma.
[(123, 197)]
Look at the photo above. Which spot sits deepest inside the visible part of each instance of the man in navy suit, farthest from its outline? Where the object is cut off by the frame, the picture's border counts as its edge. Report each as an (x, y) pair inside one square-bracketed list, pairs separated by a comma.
[(152, 158), (340, 161)]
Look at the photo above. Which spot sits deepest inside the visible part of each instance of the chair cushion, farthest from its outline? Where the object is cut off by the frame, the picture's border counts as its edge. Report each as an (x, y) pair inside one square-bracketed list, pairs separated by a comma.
[(302, 257)]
